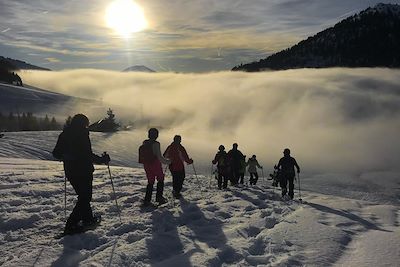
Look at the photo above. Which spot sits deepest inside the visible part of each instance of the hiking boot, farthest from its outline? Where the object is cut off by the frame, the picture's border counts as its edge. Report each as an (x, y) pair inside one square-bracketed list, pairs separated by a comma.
[(176, 195), (146, 203), (69, 229), (161, 200), (95, 220)]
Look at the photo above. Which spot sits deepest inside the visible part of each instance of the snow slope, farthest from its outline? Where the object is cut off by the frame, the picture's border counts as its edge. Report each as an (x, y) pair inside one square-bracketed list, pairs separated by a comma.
[(20, 99), (345, 226)]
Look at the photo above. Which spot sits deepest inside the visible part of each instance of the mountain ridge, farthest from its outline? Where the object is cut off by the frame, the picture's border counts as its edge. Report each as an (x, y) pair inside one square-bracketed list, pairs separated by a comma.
[(138, 68), (15, 65), (370, 38)]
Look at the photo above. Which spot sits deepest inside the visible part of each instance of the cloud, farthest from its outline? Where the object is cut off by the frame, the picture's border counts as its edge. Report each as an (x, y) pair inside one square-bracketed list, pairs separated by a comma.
[(332, 119), (52, 59), (72, 29)]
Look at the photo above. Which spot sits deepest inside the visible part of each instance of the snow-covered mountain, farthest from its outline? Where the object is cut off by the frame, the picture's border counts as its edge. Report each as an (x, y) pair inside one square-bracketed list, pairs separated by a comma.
[(19, 99), (138, 68), (370, 38), (339, 224), (18, 64)]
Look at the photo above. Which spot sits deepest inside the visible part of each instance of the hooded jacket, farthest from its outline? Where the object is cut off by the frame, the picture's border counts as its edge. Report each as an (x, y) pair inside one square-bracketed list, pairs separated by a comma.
[(75, 150)]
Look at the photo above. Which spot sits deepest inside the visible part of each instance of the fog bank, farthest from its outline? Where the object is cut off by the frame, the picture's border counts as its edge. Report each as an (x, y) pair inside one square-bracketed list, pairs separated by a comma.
[(332, 119)]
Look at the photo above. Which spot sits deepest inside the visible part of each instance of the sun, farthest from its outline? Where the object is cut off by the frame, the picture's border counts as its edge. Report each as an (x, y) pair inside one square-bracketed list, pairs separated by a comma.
[(125, 17)]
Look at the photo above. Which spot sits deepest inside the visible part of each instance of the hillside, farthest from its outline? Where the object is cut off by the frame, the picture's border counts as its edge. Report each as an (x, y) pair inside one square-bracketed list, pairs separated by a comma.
[(15, 64), (368, 39), (19, 99)]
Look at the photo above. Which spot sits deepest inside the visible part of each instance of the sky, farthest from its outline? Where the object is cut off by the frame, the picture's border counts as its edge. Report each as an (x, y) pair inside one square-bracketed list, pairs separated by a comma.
[(181, 35)]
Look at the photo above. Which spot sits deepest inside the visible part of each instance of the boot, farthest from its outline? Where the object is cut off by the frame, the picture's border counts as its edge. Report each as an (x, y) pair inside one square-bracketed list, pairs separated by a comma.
[(159, 196), (149, 192)]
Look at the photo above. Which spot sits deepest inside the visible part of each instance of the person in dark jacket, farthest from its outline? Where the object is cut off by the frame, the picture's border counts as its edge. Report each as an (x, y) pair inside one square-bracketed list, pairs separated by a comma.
[(177, 154), (223, 167), (74, 149), (286, 167), (235, 157)]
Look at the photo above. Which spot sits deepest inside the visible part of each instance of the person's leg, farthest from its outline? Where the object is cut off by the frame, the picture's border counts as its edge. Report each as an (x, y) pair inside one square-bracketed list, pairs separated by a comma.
[(151, 178), (237, 176), (220, 176), (226, 178), (283, 183), (87, 214), (160, 183), (181, 178), (76, 214), (291, 186), (82, 209), (174, 182), (251, 178), (255, 178), (241, 178)]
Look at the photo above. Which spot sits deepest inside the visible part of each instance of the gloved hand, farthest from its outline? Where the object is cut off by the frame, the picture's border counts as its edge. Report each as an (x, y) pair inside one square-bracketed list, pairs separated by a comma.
[(190, 161), (105, 158), (213, 162)]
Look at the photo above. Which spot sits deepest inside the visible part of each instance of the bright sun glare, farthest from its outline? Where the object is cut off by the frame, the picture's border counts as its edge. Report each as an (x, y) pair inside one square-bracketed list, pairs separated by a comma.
[(125, 17)]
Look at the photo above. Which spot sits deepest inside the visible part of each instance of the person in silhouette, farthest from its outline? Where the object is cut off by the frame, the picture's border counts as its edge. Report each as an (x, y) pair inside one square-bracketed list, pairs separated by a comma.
[(286, 167), (177, 154), (253, 164), (223, 167), (151, 158), (235, 157), (75, 150)]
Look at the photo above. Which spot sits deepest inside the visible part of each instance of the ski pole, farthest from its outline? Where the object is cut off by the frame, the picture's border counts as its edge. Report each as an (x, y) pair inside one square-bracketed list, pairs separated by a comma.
[(262, 171), (211, 174), (65, 198), (115, 196), (298, 180), (195, 173)]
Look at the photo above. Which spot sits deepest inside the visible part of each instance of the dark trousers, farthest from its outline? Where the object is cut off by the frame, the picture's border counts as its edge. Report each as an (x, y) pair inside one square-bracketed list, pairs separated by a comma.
[(177, 181), (241, 178), (235, 174), (82, 210), (253, 178), (285, 179), (222, 178)]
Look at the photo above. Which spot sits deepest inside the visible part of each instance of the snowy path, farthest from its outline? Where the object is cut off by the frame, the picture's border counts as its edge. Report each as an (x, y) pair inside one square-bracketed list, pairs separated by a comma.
[(238, 227)]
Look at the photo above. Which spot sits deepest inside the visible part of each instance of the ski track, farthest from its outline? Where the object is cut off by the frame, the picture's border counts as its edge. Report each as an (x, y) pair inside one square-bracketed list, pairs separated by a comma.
[(247, 226)]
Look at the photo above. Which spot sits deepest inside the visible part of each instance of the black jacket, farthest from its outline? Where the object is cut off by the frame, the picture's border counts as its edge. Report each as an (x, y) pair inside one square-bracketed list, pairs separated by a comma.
[(75, 150)]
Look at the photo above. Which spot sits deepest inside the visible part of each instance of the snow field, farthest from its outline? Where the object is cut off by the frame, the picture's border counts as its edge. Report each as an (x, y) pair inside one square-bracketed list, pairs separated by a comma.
[(208, 227)]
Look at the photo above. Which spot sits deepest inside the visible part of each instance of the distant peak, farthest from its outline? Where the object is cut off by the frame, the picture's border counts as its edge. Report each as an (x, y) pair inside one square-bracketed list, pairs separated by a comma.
[(138, 68)]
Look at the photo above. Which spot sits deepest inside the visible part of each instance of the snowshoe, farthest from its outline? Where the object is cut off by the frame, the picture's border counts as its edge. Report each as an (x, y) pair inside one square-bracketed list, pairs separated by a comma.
[(161, 201), (82, 227)]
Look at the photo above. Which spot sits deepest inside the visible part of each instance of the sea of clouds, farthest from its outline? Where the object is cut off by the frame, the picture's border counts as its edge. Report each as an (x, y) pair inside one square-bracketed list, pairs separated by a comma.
[(332, 119)]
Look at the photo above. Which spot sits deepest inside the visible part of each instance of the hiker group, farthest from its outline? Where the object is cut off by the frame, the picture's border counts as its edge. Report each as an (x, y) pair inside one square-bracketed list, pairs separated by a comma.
[(74, 149)]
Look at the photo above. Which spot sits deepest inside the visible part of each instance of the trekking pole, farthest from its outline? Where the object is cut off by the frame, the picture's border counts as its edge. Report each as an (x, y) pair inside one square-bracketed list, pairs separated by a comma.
[(211, 174), (195, 174), (298, 180), (115, 196), (262, 171), (65, 198)]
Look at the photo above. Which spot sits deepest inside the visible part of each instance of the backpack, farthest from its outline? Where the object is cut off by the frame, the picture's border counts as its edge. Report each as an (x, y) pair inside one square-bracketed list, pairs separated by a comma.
[(146, 154)]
